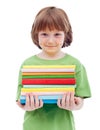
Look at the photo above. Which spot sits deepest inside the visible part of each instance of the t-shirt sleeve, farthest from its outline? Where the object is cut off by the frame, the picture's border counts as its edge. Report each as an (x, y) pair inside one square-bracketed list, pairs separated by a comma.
[(19, 86), (82, 83)]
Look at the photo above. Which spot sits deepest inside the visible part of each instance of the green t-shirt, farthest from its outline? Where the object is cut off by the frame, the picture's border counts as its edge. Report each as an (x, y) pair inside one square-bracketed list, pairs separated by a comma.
[(50, 116)]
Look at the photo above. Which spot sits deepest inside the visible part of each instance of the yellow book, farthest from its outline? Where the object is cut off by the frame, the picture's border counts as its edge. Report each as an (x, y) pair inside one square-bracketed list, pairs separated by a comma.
[(46, 89), (48, 66)]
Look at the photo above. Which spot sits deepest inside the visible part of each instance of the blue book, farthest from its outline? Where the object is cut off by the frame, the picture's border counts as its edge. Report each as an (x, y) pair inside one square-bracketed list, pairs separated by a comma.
[(47, 99)]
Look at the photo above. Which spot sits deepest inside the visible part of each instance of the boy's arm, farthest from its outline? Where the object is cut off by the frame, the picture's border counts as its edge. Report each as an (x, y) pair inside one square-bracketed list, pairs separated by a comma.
[(70, 102), (32, 103), (78, 102)]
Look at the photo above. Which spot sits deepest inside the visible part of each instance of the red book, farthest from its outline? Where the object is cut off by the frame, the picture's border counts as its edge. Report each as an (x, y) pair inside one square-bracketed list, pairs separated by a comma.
[(49, 81)]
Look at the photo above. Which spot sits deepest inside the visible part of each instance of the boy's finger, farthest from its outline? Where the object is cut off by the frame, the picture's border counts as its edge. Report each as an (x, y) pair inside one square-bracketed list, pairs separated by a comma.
[(72, 100), (40, 103), (59, 103), (36, 101), (67, 99), (27, 101), (63, 101), (32, 100)]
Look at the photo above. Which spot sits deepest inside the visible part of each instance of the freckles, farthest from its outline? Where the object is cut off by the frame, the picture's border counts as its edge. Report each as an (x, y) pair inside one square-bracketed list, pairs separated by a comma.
[(40, 41), (61, 40), (61, 43)]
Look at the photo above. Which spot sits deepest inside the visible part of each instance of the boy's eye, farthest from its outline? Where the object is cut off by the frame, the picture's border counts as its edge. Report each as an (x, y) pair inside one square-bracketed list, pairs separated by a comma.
[(57, 34), (44, 34)]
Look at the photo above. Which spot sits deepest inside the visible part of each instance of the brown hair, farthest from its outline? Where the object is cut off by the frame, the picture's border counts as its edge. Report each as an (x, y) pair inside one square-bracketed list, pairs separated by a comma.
[(52, 18)]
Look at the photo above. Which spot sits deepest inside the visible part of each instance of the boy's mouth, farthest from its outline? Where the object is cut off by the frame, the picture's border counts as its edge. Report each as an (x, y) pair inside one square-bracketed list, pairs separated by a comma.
[(52, 46)]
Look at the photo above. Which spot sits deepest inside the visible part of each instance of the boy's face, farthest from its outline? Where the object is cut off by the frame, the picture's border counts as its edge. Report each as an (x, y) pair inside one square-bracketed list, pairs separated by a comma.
[(51, 41)]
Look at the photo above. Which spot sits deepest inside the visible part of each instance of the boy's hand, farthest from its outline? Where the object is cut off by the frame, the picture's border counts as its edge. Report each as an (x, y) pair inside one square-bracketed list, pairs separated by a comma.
[(70, 102), (32, 103)]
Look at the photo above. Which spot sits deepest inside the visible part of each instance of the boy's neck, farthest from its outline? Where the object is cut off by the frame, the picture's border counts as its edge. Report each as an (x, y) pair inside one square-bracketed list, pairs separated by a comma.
[(46, 56)]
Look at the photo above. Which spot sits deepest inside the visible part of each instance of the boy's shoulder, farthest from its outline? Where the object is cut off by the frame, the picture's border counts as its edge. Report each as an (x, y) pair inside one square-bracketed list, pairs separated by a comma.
[(73, 59), (28, 60)]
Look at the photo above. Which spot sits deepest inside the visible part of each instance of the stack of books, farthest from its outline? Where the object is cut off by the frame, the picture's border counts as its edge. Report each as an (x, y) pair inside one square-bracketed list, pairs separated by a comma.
[(49, 82)]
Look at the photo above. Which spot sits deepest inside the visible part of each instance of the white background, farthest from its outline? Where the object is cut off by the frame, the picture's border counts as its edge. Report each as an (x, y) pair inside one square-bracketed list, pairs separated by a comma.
[(16, 18)]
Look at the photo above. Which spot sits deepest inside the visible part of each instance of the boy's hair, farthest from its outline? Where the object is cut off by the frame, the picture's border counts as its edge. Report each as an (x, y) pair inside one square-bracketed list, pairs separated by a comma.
[(52, 18)]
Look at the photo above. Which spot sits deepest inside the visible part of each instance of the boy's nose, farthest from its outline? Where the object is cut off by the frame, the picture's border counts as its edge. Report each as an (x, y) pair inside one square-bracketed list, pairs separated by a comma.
[(51, 39)]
